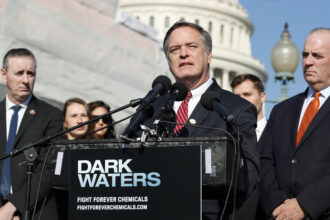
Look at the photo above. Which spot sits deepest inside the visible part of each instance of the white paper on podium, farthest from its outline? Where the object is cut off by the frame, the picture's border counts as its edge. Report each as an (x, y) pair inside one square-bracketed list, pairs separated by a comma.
[(208, 161), (59, 162)]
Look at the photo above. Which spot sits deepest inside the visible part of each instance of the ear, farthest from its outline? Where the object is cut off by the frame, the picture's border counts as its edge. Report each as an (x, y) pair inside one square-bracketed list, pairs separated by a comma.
[(209, 57), (3, 75), (65, 126), (263, 97)]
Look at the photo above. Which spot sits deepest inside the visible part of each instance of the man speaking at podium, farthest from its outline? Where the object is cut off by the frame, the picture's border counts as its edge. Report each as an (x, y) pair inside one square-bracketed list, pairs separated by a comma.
[(24, 120), (188, 49)]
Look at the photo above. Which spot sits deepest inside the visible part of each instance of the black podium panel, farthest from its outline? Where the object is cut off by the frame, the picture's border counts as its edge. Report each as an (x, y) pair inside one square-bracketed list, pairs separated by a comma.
[(133, 183), (218, 158), (216, 169)]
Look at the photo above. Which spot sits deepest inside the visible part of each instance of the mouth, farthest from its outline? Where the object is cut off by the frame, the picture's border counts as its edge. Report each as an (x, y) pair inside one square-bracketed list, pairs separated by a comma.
[(308, 71), (185, 64), (24, 89), (81, 128)]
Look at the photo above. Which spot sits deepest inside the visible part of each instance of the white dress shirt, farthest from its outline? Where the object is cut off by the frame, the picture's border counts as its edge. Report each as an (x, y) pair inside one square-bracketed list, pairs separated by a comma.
[(261, 124), (196, 96), (10, 112), (325, 93)]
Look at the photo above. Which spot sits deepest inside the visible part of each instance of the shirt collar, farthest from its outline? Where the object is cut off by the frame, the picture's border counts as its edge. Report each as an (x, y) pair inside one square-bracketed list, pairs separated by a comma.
[(10, 104), (325, 93), (261, 122), (199, 91)]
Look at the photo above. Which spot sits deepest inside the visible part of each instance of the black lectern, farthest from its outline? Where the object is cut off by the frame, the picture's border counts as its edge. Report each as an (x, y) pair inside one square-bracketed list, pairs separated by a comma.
[(164, 179)]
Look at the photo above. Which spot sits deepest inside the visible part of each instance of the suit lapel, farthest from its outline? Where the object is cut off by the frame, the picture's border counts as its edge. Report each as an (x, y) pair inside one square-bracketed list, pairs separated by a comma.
[(3, 129), (294, 117), (324, 111), (29, 115), (200, 114)]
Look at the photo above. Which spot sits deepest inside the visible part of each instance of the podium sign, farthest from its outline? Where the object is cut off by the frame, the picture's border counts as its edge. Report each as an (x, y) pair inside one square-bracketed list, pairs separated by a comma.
[(135, 183)]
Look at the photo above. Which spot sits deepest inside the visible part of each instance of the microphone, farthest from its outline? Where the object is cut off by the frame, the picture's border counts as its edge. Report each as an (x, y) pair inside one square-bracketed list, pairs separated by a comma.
[(159, 87), (178, 92), (211, 102), (140, 118)]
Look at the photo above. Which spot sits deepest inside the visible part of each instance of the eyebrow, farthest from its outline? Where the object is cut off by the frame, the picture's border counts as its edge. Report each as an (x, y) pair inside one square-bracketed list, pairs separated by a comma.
[(28, 72), (185, 44)]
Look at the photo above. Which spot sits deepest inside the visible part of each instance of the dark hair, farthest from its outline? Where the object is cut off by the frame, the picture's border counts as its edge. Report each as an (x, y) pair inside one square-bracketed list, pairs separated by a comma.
[(206, 38), (17, 52), (258, 84), (70, 102), (111, 130)]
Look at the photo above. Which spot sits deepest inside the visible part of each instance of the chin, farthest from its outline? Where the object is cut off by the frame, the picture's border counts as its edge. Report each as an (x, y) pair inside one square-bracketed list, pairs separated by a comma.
[(100, 135)]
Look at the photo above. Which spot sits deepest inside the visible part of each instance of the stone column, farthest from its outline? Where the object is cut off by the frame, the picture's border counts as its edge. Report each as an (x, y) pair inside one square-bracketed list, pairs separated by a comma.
[(225, 79)]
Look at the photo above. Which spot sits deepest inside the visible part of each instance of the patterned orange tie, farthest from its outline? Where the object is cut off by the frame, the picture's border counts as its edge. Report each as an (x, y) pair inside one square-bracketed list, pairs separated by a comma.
[(310, 112), (182, 114)]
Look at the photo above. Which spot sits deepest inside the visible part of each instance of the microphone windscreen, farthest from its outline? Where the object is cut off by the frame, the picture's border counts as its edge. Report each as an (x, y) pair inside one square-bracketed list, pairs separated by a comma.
[(180, 89), (164, 81), (207, 99)]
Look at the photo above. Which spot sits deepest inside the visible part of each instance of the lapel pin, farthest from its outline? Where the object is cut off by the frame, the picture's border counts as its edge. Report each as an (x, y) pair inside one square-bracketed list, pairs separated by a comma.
[(192, 121), (32, 112)]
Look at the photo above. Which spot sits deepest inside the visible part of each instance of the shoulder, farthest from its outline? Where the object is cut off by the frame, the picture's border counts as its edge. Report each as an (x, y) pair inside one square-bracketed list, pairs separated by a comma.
[(289, 103), (235, 104), (228, 98), (44, 107)]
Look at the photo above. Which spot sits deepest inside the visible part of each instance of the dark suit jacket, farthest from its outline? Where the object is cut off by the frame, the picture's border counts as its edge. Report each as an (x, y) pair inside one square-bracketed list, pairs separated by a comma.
[(301, 172), (246, 116), (40, 120)]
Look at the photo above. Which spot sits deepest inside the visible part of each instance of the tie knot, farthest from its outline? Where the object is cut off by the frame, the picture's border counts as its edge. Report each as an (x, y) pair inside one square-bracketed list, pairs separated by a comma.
[(16, 108), (317, 94), (188, 97)]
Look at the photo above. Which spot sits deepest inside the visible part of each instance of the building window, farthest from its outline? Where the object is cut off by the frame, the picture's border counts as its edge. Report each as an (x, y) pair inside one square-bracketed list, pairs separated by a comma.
[(167, 22), (152, 21), (232, 75), (231, 37), (239, 38), (221, 33), (197, 21), (137, 17), (217, 74), (182, 19), (210, 27)]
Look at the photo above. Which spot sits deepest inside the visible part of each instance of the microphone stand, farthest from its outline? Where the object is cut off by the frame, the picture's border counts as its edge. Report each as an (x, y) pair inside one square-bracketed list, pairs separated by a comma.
[(31, 154)]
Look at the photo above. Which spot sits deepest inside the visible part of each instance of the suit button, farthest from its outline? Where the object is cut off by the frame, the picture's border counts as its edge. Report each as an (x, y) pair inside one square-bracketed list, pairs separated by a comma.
[(294, 161)]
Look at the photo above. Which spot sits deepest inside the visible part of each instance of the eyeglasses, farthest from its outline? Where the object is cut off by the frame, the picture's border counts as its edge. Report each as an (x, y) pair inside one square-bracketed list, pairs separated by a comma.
[(106, 120)]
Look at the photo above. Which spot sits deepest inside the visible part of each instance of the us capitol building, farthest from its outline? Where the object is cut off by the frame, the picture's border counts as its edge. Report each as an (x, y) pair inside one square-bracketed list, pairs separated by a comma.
[(226, 20), (111, 50)]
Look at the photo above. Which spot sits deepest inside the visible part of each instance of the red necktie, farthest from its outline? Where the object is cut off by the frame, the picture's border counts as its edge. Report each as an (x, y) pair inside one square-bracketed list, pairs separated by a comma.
[(310, 112), (182, 114)]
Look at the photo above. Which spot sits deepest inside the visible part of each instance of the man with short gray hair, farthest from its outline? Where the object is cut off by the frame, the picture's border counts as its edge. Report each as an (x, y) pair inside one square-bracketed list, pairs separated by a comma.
[(24, 120)]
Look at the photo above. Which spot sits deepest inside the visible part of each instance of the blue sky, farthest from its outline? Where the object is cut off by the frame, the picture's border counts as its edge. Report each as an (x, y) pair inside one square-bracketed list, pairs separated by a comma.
[(268, 17)]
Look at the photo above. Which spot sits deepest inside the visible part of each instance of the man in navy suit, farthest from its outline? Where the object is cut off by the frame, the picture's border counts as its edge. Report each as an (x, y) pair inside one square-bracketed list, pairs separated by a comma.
[(35, 120), (188, 49), (295, 165)]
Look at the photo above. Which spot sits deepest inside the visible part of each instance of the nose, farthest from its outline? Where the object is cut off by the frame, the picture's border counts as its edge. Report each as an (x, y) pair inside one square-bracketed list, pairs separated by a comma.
[(79, 120), (308, 60), (25, 78), (184, 52)]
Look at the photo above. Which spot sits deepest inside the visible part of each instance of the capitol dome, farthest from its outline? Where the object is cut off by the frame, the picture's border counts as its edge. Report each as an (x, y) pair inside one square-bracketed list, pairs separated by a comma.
[(226, 20)]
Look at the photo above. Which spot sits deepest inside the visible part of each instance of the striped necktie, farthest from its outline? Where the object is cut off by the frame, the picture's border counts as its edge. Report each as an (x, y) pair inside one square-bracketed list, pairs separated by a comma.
[(310, 112), (182, 115)]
